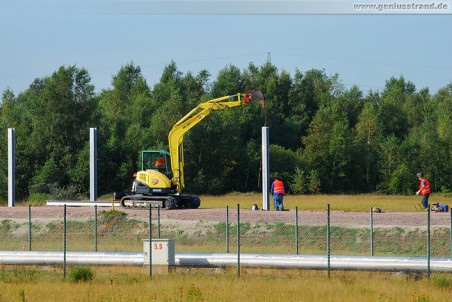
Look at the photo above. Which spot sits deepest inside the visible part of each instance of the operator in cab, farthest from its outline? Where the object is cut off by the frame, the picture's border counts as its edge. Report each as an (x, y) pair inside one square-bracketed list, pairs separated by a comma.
[(160, 162)]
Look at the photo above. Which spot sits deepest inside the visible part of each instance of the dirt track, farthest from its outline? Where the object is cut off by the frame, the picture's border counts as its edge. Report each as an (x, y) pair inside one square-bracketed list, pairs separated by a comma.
[(407, 219)]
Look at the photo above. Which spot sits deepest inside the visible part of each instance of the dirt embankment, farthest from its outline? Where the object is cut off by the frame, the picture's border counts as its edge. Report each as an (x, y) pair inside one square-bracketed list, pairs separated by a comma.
[(347, 219)]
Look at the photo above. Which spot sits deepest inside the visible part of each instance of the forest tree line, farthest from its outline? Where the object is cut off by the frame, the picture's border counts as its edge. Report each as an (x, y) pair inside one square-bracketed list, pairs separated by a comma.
[(323, 138)]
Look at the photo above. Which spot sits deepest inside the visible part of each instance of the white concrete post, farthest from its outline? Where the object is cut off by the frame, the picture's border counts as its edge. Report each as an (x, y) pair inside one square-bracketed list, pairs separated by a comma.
[(93, 164), (11, 167), (265, 169)]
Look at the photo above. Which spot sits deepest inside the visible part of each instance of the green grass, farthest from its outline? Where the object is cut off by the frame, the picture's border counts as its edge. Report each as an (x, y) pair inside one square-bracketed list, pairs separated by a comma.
[(347, 203), (134, 284)]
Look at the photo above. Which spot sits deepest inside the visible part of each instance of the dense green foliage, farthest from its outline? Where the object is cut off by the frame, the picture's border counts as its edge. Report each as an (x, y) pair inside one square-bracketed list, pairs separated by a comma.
[(81, 273), (324, 138)]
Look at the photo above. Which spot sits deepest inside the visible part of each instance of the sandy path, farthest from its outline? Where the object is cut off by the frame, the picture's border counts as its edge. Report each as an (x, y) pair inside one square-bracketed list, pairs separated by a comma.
[(356, 219)]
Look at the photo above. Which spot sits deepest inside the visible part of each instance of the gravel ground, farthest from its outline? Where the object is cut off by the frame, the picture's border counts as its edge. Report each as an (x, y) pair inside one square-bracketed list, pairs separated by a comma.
[(351, 219)]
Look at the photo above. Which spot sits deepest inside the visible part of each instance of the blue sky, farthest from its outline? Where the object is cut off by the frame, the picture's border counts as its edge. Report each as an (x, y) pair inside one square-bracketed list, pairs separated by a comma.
[(37, 37)]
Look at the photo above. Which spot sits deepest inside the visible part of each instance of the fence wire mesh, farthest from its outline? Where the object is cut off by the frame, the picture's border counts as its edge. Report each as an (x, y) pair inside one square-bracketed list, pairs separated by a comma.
[(232, 235)]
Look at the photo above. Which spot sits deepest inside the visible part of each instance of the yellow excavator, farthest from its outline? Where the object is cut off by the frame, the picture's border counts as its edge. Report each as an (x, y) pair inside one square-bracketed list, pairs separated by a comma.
[(161, 180)]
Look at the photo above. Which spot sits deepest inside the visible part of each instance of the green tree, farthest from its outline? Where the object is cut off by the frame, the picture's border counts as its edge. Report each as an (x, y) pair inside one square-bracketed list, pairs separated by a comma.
[(368, 135), (127, 111), (52, 118), (283, 162), (328, 148), (391, 108), (214, 150), (8, 100), (437, 140), (389, 160), (400, 181), (323, 137)]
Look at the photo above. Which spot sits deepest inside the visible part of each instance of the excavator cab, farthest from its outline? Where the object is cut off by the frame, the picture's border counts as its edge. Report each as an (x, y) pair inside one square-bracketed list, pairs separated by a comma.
[(158, 160)]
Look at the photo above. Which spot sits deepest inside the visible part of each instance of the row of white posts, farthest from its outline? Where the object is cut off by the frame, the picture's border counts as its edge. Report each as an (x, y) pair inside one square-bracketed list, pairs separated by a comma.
[(93, 166), (12, 165)]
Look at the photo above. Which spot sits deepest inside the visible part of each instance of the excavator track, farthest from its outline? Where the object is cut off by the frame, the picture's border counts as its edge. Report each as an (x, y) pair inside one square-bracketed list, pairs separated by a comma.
[(140, 201), (146, 201), (189, 201)]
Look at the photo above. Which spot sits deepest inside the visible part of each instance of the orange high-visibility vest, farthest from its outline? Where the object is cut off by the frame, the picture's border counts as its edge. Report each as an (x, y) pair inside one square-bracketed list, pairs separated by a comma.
[(160, 162), (278, 187), (426, 189)]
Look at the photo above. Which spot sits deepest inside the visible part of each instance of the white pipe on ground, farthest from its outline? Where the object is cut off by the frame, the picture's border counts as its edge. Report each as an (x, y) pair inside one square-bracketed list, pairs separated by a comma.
[(375, 263)]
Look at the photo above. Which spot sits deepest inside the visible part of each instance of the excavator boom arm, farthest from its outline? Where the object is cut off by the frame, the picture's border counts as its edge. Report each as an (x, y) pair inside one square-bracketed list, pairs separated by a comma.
[(176, 135)]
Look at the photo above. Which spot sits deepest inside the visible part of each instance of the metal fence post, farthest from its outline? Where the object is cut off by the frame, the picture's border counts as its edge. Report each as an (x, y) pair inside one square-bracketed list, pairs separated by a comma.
[(428, 241), (238, 240), (227, 229), (29, 227), (296, 230), (371, 232), (95, 228), (64, 242), (450, 232), (328, 239)]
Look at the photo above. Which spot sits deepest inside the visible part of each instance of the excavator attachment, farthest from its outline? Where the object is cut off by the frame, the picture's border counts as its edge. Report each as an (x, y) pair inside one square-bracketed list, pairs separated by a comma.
[(255, 95)]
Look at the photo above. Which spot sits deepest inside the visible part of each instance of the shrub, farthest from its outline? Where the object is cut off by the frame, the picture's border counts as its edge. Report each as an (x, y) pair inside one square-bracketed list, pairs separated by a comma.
[(64, 193), (113, 214), (443, 282), (81, 273), (314, 182), (298, 184), (38, 197)]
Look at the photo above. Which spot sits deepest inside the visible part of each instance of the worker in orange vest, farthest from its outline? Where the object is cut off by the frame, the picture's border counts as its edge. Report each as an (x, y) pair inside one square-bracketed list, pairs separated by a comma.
[(278, 192), (424, 189), (160, 162)]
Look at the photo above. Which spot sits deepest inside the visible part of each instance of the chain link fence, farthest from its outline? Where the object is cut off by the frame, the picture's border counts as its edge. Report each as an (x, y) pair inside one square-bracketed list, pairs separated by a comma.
[(233, 238)]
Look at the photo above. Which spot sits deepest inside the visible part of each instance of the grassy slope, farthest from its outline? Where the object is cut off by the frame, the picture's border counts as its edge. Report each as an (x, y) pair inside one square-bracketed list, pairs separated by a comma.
[(133, 284), (349, 203), (352, 203)]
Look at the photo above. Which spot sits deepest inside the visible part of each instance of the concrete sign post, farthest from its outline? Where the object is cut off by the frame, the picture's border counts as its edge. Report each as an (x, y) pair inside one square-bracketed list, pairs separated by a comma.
[(92, 164), (11, 167), (265, 169)]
